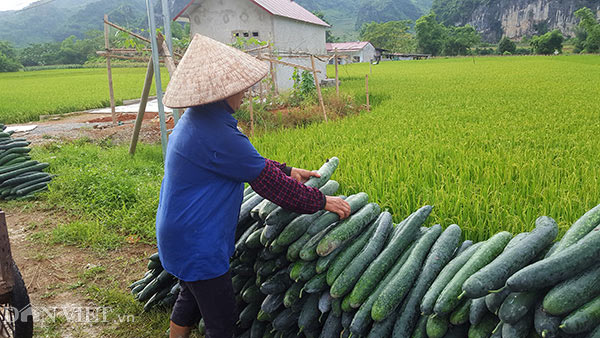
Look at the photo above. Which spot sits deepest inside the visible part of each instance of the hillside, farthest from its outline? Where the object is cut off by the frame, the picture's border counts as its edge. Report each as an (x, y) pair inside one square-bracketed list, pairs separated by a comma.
[(50, 21), (513, 18)]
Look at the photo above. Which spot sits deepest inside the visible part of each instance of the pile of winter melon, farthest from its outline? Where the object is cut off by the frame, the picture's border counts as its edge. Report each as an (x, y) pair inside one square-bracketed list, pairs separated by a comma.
[(20, 176), (316, 276)]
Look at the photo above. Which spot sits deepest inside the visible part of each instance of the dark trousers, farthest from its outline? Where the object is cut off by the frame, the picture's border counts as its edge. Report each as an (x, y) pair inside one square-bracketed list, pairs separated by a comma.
[(212, 300)]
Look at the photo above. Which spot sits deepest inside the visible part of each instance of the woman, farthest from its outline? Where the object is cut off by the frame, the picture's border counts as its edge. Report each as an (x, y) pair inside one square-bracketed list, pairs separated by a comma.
[(208, 160)]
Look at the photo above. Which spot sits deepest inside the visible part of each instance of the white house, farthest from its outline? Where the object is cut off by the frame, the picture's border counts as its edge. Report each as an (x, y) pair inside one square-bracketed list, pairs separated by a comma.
[(291, 28), (361, 51)]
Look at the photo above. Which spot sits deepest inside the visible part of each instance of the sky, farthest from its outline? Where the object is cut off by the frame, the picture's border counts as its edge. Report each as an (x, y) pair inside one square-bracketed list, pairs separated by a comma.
[(6, 5)]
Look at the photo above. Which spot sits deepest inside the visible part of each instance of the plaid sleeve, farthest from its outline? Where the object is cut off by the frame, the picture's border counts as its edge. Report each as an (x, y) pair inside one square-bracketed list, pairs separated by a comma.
[(283, 167), (286, 192)]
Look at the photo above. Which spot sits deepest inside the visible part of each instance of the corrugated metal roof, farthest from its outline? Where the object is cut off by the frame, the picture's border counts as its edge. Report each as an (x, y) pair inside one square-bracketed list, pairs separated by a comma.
[(284, 8), (346, 46)]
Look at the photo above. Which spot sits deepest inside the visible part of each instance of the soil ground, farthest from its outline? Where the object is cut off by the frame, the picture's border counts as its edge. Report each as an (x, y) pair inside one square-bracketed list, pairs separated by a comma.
[(58, 276), (94, 126)]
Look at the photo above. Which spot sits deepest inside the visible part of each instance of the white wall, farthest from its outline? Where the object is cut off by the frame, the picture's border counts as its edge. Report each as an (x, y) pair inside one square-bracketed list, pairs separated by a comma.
[(217, 19), (293, 36), (368, 53)]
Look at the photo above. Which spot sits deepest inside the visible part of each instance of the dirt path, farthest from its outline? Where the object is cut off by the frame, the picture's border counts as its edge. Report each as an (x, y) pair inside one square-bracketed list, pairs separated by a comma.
[(58, 277), (95, 126)]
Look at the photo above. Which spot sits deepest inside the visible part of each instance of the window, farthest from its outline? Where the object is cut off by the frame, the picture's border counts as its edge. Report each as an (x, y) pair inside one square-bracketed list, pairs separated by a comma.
[(255, 34), (246, 34)]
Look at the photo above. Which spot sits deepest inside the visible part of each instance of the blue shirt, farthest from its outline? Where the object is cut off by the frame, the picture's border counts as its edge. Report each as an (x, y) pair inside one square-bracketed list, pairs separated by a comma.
[(207, 161)]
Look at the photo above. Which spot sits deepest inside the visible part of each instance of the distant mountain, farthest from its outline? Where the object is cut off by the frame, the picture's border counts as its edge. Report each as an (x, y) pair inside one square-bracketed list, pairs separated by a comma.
[(513, 18), (347, 16), (55, 20)]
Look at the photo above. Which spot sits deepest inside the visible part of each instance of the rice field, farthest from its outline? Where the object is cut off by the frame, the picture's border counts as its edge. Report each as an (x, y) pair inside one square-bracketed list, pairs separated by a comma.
[(24, 96), (492, 143)]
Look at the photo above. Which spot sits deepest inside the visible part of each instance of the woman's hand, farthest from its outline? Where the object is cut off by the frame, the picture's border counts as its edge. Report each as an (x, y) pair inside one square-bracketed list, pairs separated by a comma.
[(302, 175), (337, 205)]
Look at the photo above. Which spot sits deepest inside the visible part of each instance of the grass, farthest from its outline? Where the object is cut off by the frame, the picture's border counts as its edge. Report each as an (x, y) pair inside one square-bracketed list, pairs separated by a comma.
[(24, 96), (492, 143), (111, 195)]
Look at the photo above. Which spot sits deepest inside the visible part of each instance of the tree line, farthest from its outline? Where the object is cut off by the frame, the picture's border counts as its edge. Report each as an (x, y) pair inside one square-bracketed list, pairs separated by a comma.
[(74, 51), (430, 36)]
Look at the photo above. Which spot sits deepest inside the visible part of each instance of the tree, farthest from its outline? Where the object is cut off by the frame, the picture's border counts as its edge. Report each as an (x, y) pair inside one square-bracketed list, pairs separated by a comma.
[(40, 54), (548, 43), (460, 39), (8, 58), (431, 35), (590, 31), (507, 45), (391, 35)]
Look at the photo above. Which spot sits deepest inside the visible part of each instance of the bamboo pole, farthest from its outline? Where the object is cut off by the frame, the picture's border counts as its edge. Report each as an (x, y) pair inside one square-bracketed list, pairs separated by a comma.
[(157, 78), (260, 84), (123, 57), (273, 71), (109, 70), (142, 108), (164, 51), (288, 64), (337, 78), (255, 49), (124, 30), (171, 67), (251, 105), (314, 69), (133, 34), (367, 88)]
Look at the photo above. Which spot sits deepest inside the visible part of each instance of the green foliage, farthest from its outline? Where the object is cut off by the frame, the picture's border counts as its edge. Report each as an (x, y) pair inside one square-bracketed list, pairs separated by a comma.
[(304, 84), (548, 43), (246, 43), (180, 35), (436, 39), (460, 39), (70, 51), (431, 35), (507, 45), (392, 35), (8, 58), (588, 31)]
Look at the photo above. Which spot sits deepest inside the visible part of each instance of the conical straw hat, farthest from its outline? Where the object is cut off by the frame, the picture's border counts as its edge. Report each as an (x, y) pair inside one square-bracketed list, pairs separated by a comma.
[(211, 71)]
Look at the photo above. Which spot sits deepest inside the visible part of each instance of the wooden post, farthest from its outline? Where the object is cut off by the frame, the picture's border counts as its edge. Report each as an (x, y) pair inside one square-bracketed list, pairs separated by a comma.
[(273, 74), (142, 107), (337, 79), (109, 69), (260, 84), (367, 86), (251, 107), (6, 276), (312, 60)]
